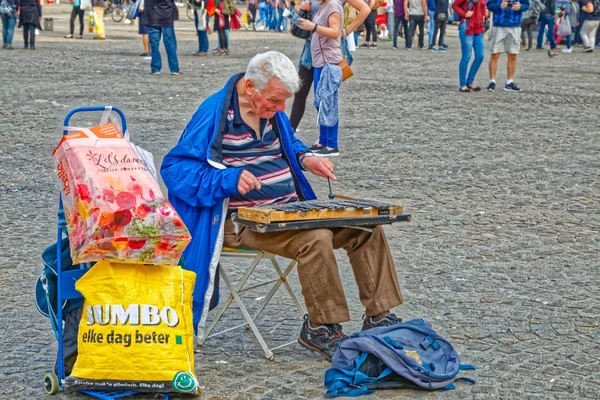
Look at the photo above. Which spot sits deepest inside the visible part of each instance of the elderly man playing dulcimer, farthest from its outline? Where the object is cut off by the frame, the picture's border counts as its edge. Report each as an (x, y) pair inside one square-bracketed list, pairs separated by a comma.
[(239, 150)]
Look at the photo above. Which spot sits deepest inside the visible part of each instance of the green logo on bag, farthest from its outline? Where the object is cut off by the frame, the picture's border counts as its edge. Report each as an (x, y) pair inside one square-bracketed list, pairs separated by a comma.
[(185, 382)]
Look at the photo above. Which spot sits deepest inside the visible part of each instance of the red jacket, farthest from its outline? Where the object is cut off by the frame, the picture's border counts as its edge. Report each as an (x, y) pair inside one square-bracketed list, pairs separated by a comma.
[(475, 23)]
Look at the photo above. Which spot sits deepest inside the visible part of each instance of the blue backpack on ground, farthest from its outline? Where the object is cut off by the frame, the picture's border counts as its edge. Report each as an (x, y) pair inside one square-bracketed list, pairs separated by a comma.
[(407, 355)]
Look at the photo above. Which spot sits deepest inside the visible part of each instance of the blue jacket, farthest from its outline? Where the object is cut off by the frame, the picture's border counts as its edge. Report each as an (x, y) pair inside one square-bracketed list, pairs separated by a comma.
[(200, 186), (430, 5), (507, 17)]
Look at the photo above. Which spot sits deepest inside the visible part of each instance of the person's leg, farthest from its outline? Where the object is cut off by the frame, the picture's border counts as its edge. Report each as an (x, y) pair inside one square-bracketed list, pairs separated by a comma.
[(436, 28), (551, 24), (397, 21), (511, 66), (524, 31), (374, 31), (411, 32), (595, 27), (32, 36), (4, 29), (298, 107), (530, 27), (72, 20), (146, 43), (540, 38), (203, 38), (466, 48), (405, 28), (170, 43), (154, 37), (568, 39), (100, 14), (581, 20), (493, 65), (81, 24), (252, 8), (317, 267), (431, 27), (442, 33), (373, 267), (421, 23), (227, 36), (26, 35), (368, 28), (585, 34), (479, 48)]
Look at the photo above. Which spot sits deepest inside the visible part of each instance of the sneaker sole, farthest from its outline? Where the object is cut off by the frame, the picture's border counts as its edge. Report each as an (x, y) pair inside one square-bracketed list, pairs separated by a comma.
[(491, 90), (510, 90), (308, 346)]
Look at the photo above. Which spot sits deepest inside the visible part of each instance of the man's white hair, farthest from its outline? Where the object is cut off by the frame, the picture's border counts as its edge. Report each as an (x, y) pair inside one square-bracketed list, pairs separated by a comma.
[(273, 64)]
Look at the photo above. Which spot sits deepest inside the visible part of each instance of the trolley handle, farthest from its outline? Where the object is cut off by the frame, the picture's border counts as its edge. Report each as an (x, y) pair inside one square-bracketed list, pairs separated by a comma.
[(95, 108)]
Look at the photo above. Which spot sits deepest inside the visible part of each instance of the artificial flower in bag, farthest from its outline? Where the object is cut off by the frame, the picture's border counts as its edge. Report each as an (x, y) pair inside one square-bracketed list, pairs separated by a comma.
[(114, 208)]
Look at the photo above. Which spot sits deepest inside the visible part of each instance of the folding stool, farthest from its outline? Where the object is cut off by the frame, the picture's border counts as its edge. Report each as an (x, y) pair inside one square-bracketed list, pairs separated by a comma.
[(235, 293)]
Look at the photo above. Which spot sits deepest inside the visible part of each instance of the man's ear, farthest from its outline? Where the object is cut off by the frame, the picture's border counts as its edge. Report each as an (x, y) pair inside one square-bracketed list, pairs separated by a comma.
[(249, 86)]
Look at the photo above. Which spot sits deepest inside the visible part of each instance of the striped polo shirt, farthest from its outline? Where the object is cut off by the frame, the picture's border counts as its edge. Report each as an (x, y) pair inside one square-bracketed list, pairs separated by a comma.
[(262, 157)]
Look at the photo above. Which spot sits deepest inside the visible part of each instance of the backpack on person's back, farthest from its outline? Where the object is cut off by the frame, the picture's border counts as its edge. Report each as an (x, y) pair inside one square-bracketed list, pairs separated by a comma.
[(536, 9), (405, 355), (228, 7)]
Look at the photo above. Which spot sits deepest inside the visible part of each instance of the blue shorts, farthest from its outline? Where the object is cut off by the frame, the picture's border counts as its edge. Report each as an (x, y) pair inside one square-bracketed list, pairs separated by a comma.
[(142, 29)]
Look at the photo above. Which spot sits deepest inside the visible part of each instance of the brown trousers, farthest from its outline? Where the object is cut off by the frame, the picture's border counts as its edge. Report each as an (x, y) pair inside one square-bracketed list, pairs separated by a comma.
[(322, 289)]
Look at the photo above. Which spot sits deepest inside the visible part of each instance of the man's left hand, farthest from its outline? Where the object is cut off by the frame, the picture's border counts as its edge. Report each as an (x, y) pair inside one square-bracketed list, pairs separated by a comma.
[(320, 167), (516, 6)]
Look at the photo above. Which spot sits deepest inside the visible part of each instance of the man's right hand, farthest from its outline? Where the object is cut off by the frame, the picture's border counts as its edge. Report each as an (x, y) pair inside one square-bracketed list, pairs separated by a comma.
[(305, 5), (504, 4), (247, 182), (469, 14)]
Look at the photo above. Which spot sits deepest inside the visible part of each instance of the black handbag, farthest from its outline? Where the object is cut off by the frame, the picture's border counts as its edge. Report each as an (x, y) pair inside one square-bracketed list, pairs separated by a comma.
[(296, 30)]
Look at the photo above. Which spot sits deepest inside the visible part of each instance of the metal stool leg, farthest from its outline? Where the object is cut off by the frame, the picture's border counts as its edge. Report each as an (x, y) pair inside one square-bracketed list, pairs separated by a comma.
[(289, 269), (238, 300), (230, 299)]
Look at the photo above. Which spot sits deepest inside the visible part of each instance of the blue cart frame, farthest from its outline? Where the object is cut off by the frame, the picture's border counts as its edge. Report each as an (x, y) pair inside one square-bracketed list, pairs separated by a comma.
[(66, 285)]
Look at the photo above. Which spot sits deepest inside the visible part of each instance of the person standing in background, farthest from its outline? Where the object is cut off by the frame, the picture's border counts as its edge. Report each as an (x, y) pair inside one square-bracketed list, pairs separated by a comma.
[(76, 12), (143, 29), (416, 12), (201, 20), (591, 24), (8, 12), (98, 9), (370, 25), (471, 30), (441, 18), (160, 17), (30, 16), (547, 19), (399, 19), (251, 5), (571, 12)]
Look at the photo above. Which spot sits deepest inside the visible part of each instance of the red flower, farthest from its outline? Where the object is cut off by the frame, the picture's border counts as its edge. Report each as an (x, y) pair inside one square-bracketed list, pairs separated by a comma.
[(122, 217), (178, 222), (164, 211), (125, 200), (135, 188), (108, 195), (152, 196), (136, 244), (83, 192), (141, 211)]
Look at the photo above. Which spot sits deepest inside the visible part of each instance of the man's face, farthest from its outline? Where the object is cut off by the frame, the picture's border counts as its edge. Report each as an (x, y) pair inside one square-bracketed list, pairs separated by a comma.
[(268, 101)]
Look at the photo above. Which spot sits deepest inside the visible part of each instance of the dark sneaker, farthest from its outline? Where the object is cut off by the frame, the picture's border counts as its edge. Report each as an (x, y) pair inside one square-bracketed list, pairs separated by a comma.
[(316, 147), (491, 87), (390, 320), (324, 339), (325, 152), (512, 88)]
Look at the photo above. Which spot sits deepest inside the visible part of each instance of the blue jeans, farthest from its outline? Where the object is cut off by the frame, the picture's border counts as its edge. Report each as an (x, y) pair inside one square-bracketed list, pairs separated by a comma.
[(569, 40), (430, 26), (170, 42), (467, 44), (546, 20), (202, 35), (282, 25), (262, 14), (328, 136), (8, 28)]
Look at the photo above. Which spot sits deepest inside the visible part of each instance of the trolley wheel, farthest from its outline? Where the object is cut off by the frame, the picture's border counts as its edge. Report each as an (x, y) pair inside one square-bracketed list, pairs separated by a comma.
[(51, 383)]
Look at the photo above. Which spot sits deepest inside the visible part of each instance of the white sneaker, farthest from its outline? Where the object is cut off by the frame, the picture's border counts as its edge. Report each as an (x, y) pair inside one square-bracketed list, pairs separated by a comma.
[(567, 50)]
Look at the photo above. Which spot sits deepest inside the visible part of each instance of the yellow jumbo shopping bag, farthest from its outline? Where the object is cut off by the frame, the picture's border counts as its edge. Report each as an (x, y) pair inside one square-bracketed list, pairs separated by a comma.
[(136, 331)]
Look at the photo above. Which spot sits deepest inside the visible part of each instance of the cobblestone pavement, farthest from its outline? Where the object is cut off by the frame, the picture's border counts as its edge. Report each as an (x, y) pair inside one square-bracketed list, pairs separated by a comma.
[(502, 255)]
